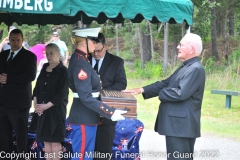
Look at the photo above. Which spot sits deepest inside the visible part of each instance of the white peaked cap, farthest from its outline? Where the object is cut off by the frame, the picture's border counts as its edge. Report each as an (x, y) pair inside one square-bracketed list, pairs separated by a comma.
[(87, 32)]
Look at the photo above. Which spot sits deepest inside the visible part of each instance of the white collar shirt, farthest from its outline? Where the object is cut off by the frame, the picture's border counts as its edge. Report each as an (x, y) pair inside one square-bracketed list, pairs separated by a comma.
[(15, 53), (99, 63)]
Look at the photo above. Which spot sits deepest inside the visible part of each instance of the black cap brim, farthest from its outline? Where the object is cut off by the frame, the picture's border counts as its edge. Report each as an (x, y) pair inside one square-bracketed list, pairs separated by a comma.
[(93, 39)]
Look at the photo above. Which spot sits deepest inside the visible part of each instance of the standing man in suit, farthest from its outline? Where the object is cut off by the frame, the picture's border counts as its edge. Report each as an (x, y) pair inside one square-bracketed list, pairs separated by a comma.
[(5, 44), (17, 71), (181, 98), (111, 70)]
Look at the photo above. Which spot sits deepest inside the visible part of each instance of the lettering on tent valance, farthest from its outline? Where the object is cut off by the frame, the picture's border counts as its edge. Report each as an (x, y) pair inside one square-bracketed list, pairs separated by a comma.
[(35, 6)]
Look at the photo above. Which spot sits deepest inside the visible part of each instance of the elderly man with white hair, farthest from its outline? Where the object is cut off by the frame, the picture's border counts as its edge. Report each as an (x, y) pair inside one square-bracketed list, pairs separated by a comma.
[(181, 97)]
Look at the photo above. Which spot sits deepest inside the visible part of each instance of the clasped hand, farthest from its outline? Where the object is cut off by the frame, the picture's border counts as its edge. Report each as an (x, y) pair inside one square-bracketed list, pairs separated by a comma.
[(39, 108)]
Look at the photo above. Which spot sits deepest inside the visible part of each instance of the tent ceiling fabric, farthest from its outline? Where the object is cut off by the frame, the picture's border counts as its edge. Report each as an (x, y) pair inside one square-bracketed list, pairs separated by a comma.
[(175, 11), (51, 12)]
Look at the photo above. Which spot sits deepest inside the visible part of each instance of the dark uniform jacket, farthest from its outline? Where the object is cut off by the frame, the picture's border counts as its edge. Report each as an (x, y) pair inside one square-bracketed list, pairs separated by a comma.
[(112, 73), (181, 98), (17, 93), (83, 80)]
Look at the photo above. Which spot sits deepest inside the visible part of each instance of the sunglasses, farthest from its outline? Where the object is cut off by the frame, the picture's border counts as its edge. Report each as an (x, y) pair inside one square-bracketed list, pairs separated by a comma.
[(55, 36)]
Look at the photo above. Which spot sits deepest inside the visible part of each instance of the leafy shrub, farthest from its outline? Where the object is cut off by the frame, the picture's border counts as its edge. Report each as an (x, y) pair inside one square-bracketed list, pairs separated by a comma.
[(234, 61), (127, 56), (150, 71), (209, 65)]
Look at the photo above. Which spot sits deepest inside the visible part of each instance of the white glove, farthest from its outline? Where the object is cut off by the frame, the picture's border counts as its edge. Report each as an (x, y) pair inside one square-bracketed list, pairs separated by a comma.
[(117, 115)]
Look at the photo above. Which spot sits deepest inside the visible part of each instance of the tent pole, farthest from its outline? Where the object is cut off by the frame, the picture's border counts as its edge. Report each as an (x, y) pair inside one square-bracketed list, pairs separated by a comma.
[(117, 46), (165, 58)]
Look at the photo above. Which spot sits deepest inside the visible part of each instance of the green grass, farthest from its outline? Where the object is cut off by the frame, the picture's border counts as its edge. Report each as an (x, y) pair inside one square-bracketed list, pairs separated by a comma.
[(220, 120)]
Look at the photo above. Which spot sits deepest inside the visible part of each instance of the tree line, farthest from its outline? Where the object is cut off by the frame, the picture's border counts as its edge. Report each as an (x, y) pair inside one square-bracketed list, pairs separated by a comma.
[(216, 21)]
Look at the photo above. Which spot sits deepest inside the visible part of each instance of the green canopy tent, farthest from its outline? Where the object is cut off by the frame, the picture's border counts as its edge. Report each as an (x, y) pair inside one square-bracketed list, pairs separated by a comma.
[(44, 12), (70, 11)]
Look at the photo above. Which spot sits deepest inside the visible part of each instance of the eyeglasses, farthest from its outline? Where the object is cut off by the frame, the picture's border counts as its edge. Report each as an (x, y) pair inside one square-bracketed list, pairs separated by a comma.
[(55, 36), (180, 45), (98, 51), (183, 45)]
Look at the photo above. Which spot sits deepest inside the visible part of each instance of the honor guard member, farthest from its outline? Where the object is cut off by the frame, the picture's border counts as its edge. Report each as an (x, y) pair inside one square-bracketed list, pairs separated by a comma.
[(86, 107)]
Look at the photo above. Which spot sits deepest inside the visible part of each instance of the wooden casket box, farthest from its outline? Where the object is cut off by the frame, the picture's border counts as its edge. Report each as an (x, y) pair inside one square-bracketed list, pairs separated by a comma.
[(120, 100)]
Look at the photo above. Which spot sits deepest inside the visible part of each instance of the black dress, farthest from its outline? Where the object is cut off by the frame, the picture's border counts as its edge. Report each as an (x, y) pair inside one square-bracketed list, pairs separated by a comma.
[(52, 87)]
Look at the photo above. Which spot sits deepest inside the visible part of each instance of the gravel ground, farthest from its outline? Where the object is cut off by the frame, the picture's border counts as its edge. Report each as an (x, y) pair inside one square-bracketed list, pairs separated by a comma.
[(207, 147)]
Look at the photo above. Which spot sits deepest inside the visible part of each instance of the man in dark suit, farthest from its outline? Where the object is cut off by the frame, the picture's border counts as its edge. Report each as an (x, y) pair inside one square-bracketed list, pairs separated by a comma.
[(5, 44), (17, 71), (181, 98), (113, 77)]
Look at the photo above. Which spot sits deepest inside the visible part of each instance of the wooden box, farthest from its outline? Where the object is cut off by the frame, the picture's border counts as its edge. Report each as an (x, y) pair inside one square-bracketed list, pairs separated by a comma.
[(120, 100)]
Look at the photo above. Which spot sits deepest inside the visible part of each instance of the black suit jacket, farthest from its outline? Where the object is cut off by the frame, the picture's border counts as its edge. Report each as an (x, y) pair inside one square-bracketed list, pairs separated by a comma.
[(112, 72), (181, 98), (17, 92)]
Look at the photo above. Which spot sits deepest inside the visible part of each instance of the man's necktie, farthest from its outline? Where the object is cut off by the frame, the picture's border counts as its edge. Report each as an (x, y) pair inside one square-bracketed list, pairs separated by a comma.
[(9, 60), (11, 57), (96, 66)]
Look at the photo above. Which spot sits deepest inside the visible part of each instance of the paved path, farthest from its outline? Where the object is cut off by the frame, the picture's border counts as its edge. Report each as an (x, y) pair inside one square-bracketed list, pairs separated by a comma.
[(207, 147)]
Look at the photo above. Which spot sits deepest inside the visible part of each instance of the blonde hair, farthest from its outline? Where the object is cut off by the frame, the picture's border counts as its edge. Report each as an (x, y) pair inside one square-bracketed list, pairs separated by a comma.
[(76, 39)]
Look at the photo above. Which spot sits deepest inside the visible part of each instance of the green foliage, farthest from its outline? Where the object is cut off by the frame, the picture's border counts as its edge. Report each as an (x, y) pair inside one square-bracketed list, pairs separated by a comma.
[(158, 33), (126, 55), (65, 36), (129, 47), (235, 56), (108, 28), (226, 74), (149, 72), (202, 24), (127, 27), (155, 70), (237, 22), (35, 34), (5, 31), (208, 64), (234, 61)]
